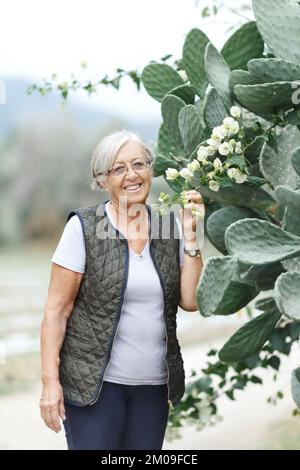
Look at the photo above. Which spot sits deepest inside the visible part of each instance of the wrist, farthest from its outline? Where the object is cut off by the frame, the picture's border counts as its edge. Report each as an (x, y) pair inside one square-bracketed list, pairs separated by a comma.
[(191, 244), (51, 379)]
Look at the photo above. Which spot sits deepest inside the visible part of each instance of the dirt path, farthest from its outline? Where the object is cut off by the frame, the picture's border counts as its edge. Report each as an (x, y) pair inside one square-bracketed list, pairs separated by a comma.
[(244, 425)]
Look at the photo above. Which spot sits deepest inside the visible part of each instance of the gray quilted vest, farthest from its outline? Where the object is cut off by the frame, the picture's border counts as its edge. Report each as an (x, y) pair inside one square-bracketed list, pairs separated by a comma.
[(92, 324)]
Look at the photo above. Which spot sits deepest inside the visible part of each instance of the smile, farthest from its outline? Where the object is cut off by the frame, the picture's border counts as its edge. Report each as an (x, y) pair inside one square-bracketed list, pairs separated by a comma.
[(133, 187)]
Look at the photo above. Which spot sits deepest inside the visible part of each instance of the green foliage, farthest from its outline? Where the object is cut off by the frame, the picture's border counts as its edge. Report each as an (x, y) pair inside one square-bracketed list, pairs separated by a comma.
[(254, 223), (250, 338), (245, 44)]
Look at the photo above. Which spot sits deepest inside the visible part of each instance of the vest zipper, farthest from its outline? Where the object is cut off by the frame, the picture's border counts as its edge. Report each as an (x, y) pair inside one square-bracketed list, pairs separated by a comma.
[(164, 295), (116, 324)]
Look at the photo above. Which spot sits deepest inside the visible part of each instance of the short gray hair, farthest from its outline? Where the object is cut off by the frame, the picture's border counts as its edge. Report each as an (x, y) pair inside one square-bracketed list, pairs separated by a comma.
[(106, 152)]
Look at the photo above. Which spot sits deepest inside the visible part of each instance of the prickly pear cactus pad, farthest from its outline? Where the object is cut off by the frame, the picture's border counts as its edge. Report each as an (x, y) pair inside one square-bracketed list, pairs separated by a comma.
[(231, 130), (278, 22), (295, 386), (256, 242), (219, 292), (286, 293)]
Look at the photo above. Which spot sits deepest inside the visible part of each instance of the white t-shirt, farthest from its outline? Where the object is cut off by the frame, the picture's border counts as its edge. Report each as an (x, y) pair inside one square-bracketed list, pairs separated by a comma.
[(70, 251), (139, 346)]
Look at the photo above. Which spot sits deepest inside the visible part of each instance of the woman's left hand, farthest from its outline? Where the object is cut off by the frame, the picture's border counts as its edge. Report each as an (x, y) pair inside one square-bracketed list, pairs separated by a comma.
[(188, 220)]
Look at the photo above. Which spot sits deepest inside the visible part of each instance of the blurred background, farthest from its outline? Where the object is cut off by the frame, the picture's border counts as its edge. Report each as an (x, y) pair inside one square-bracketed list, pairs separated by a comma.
[(45, 151)]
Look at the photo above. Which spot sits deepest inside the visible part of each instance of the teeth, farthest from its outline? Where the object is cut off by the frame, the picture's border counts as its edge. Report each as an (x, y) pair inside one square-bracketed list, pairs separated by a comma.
[(133, 186)]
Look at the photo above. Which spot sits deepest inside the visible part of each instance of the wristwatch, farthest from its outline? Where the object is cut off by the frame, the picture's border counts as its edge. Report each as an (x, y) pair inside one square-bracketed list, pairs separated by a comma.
[(193, 253)]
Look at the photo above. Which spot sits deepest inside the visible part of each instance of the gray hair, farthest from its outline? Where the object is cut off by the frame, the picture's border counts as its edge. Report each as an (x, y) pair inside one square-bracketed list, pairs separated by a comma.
[(106, 152)]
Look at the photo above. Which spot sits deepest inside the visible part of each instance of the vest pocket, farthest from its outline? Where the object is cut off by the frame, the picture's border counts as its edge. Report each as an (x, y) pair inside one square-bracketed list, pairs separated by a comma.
[(75, 336)]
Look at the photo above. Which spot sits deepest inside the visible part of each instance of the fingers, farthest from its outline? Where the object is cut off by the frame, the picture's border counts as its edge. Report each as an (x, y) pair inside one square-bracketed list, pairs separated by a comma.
[(193, 195), (51, 412), (55, 423), (62, 411), (50, 415)]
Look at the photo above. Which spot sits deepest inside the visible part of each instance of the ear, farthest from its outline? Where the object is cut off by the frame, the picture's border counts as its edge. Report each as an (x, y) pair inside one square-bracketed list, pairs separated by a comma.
[(102, 185)]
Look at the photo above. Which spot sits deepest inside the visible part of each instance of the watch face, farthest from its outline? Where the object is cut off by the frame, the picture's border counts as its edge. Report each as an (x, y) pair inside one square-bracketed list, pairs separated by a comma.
[(191, 252)]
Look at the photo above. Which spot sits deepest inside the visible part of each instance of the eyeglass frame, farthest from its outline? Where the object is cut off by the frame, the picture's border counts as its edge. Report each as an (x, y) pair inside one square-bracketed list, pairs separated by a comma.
[(106, 173)]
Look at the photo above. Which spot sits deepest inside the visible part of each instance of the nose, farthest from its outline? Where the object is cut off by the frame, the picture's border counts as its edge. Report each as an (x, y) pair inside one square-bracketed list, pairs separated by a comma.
[(130, 172)]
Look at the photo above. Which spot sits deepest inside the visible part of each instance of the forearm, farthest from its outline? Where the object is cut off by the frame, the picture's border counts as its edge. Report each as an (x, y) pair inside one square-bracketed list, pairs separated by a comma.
[(190, 276), (53, 330)]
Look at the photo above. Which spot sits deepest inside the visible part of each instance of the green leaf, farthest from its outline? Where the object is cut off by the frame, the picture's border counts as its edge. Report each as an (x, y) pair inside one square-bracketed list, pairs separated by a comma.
[(277, 166), (158, 79), (218, 73), (170, 107), (214, 110), (245, 44), (287, 294), (237, 160), (280, 27), (273, 70), (193, 59), (257, 242), (265, 304), (265, 99), (190, 127), (219, 291), (295, 386), (250, 338), (220, 219)]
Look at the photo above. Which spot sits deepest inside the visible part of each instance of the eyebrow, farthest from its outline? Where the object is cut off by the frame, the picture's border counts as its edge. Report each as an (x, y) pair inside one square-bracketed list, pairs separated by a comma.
[(124, 163)]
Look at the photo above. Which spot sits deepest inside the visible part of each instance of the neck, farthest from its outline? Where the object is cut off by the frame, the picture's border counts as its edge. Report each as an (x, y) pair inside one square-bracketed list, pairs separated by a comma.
[(130, 217)]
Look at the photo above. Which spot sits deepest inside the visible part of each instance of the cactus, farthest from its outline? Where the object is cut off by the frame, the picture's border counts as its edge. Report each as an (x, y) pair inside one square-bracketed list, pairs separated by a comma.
[(218, 73), (286, 294), (280, 27), (245, 44), (255, 225), (273, 70), (193, 59)]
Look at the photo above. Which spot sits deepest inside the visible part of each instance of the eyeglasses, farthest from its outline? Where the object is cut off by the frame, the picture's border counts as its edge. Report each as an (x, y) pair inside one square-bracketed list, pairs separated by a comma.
[(137, 166)]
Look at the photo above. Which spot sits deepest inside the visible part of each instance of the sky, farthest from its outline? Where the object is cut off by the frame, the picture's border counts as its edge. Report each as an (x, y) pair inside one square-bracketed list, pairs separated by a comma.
[(38, 38)]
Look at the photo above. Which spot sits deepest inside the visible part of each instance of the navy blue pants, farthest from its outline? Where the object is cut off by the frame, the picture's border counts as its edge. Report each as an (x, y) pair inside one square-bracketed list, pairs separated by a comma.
[(130, 417)]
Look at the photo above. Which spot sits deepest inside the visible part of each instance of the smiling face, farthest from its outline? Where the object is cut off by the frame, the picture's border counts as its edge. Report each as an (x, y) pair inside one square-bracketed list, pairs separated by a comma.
[(135, 186)]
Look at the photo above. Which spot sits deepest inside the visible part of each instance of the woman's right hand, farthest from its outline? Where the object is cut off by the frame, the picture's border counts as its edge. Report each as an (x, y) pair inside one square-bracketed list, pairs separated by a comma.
[(52, 404)]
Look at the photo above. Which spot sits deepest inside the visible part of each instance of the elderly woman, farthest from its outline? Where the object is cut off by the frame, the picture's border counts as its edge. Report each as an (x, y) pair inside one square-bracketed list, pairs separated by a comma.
[(111, 361)]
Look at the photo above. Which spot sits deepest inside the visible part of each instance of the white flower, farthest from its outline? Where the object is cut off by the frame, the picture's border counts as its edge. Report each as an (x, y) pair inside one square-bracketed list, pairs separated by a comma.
[(214, 143), (199, 214), (183, 75), (219, 132), (235, 111), (231, 172), (163, 197), (225, 148), (186, 173), (172, 174), (240, 177), (193, 165), (232, 142), (213, 185), (202, 153), (211, 174), (231, 125), (211, 150), (238, 148), (217, 164), (236, 174)]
